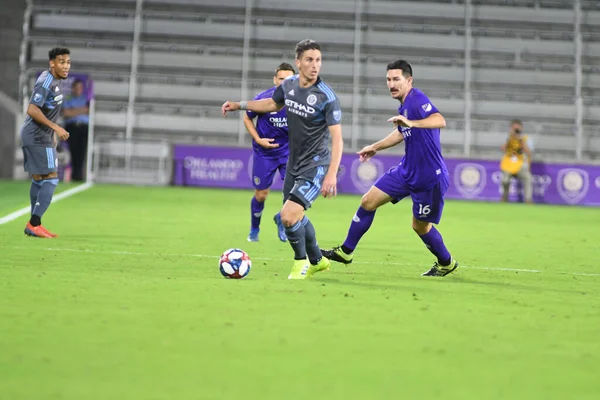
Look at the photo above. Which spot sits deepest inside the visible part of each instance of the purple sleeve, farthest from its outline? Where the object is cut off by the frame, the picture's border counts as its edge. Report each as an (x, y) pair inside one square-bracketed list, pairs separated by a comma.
[(424, 108), (251, 114)]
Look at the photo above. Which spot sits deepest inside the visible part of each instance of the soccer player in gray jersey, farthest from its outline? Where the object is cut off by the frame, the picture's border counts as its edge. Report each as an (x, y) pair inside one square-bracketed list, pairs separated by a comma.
[(314, 113), (39, 142)]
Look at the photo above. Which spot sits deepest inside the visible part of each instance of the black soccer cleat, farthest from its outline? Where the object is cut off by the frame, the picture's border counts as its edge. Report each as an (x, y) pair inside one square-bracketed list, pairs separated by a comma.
[(442, 270), (337, 254)]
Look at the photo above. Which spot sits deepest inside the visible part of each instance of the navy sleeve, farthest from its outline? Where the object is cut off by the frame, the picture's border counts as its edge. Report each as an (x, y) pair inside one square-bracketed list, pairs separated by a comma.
[(333, 112), (40, 91), (278, 95)]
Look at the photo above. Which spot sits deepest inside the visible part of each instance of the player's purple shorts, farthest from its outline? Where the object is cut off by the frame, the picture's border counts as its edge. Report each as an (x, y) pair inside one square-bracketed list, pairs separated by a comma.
[(264, 169), (427, 204)]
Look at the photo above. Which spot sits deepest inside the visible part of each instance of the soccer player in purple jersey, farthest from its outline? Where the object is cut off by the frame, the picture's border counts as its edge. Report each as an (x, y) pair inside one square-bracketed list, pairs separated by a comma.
[(314, 115), (421, 174), (271, 152)]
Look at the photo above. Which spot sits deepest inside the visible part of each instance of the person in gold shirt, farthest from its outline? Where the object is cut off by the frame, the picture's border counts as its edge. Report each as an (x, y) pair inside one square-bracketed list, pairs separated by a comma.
[(516, 162)]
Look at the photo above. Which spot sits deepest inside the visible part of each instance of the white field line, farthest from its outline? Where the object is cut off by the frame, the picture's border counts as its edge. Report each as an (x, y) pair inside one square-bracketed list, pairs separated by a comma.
[(135, 253), (62, 195)]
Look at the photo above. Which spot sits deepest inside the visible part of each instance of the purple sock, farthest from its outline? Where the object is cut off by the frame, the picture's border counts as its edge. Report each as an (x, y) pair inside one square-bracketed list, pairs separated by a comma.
[(361, 222), (434, 242), (256, 208)]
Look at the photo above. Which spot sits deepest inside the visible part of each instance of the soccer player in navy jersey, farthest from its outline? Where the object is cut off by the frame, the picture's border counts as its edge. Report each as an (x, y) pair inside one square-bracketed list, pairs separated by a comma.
[(38, 140), (271, 152), (421, 174), (313, 113)]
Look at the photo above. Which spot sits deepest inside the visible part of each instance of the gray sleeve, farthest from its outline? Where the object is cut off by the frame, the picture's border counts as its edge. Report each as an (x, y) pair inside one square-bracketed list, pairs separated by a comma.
[(278, 95), (333, 112), (40, 92)]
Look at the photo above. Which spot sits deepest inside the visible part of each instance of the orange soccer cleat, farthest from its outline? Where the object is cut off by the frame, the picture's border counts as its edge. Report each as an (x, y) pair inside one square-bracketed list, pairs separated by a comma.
[(52, 235), (37, 231)]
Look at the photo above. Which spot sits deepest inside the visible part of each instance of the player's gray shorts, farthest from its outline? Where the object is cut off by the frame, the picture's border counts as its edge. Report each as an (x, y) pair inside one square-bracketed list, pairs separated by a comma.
[(39, 160), (306, 186)]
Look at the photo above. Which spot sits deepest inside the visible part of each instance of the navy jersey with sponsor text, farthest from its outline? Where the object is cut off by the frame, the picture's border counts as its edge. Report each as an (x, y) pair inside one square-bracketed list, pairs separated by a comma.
[(48, 97), (310, 111)]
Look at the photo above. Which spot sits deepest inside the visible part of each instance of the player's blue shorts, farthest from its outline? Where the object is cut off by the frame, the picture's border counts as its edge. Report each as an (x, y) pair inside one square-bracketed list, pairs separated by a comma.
[(264, 169), (427, 204), (306, 186), (40, 160)]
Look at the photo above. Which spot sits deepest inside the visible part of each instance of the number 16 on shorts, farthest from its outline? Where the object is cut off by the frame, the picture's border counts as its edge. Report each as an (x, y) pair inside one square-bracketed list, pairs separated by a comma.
[(424, 210)]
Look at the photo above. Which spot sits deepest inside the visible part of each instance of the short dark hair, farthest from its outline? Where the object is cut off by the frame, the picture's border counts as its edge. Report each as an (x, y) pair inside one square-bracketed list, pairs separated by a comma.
[(77, 81), (285, 67), (58, 51), (516, 121), (403, 65), (306, 44)]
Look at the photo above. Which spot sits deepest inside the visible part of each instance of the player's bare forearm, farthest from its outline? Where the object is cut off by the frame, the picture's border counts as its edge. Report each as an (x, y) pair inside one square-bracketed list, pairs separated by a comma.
[(38, 116), (434, 121), (390, 140), (337, 148), (249, 124), (263, 106)]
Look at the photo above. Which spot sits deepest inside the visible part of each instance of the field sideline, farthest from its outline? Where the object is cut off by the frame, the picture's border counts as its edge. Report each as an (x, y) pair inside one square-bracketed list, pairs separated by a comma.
[(128, 303)]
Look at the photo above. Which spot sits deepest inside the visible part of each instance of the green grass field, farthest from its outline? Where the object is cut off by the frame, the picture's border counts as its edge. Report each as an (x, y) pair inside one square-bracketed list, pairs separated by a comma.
[(129, 304)]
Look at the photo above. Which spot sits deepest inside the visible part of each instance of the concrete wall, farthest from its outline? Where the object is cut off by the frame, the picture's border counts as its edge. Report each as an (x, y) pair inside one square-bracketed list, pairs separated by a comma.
[(11, 25)]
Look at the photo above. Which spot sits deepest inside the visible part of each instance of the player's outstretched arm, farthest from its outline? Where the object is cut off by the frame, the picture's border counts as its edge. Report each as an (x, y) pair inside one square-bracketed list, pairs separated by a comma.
[(434, 121), (260, 106), (267, 143), (329, 188), (38, 116), (390, 140)]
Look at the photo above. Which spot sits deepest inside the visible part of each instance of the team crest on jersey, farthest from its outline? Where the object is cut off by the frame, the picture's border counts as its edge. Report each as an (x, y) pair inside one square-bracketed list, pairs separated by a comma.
[(337, 115), (426, 107), (37, 97), (405, 113), (311, 100)]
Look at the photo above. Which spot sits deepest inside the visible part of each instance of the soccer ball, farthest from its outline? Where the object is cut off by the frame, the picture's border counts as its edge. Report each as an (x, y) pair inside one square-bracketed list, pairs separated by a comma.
[(234, 264)]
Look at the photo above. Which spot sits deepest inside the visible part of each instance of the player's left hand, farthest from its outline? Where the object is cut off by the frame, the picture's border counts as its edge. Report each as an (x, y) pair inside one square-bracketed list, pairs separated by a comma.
[(402, 121), (329, 188)]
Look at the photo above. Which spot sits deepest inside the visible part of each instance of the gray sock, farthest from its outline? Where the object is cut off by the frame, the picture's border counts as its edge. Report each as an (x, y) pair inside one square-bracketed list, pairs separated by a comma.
[(44, 197), (295, 236), (33, 192), (312, 246)]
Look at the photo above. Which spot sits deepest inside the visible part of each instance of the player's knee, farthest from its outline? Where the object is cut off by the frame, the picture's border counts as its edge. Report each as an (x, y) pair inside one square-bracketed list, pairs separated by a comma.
[(261, 195), (292, 212), (51, 175), (368, 203), (421, 227), (289, 218)]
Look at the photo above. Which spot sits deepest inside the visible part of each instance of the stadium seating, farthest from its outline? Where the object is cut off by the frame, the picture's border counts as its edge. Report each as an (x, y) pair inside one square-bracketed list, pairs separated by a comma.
[(191, 57)]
